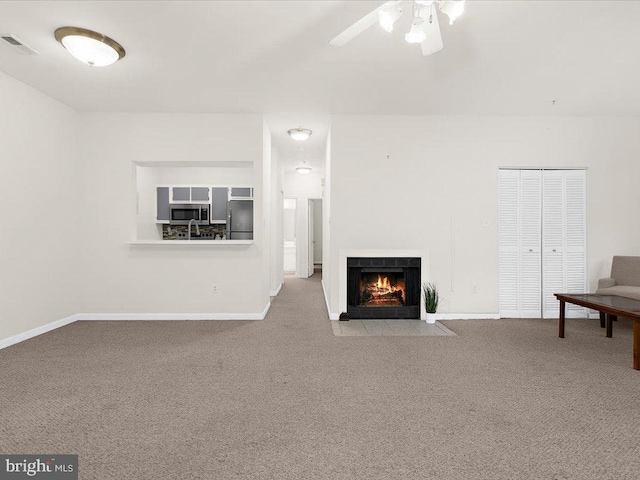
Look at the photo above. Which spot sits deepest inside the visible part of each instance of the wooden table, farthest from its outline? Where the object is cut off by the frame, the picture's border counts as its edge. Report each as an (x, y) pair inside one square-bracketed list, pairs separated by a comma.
[(612, 307)]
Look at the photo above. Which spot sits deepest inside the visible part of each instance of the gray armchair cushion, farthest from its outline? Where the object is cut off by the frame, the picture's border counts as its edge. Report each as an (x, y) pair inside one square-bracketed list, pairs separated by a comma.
[(621, 291), (625, 278), (626, 270), (606, 283)]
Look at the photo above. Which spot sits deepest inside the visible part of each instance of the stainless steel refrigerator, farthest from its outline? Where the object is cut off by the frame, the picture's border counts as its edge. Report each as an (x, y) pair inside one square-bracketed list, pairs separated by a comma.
[(240, 220)]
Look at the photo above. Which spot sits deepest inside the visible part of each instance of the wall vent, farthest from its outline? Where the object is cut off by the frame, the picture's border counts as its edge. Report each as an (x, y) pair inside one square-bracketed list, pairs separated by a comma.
[(20, 46)]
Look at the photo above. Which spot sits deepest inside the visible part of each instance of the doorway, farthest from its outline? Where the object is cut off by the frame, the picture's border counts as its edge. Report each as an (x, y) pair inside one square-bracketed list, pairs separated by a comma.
[(289, 234), (315, 235)]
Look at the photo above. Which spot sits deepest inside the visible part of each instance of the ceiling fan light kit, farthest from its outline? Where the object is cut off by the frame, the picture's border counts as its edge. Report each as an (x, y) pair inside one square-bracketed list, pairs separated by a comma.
[(416, 34), (424, 30), (452, 9), (299, 134), (388, 14), (92, 48)]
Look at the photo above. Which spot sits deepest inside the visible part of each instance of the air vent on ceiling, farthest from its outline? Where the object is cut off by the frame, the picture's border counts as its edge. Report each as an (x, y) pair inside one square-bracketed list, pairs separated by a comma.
[(21, 47)]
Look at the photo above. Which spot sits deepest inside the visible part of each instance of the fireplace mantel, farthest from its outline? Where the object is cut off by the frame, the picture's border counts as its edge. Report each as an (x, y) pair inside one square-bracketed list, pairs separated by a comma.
[(343, 254)]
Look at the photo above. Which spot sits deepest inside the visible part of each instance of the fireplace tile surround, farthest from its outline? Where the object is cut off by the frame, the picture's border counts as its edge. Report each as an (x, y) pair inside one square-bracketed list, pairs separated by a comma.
[(390, 328)]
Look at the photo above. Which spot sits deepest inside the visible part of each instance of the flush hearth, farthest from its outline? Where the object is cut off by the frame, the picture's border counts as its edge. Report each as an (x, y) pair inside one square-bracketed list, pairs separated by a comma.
[(383, 287)]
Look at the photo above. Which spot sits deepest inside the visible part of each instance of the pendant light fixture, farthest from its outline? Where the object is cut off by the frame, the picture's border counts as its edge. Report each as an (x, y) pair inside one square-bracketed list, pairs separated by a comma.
[(92, 48), (299, 134)]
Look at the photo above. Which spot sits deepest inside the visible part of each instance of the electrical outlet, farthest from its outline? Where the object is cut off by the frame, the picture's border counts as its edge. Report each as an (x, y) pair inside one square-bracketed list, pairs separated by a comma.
[(214, 290), (474, 288)]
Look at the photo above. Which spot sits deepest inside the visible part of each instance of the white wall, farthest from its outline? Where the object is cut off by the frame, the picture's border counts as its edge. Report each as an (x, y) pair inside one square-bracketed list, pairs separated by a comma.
[(146, 181), (302, 187), (277, 241), (121, 278), (289, 219), (264, 217), (40, 188), (214, 176), (438, 189), (327, 267)]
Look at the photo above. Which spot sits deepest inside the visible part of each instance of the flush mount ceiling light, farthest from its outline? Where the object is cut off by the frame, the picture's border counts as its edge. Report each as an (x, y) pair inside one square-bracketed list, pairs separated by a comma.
[(424, 30), (299, 134), (304, 169), (92, 48)]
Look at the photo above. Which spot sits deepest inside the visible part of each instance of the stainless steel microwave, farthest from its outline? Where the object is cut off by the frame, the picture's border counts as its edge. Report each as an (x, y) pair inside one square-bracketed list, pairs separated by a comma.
[(183, 213)]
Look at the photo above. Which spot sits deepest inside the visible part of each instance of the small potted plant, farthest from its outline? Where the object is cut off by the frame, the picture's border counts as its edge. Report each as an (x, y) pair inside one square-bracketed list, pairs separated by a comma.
[(430, 301)]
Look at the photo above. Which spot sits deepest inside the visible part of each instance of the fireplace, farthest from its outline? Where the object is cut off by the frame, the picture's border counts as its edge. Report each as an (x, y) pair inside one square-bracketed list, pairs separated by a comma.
[(387, 287)]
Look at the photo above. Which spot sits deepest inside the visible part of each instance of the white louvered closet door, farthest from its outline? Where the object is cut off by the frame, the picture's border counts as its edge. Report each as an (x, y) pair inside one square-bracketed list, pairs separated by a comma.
[(542, 241), (564, 239), (530, 241), (553, 240), (519, 231), (508, 242)]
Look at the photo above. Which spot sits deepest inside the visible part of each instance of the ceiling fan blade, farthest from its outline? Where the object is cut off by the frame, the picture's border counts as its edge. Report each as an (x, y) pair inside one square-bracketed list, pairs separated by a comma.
[(433, 42), (357, 28)]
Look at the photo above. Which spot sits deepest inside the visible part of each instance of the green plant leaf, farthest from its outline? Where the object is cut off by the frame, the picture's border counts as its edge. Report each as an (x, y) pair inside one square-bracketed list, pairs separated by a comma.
[(431, 297)]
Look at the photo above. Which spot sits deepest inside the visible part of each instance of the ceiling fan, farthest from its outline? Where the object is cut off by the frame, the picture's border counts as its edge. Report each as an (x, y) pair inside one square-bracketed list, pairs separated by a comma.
[(425, 29)]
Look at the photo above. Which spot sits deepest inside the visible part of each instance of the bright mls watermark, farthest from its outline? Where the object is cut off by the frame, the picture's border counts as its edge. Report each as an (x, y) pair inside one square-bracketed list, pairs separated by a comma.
[(49, 467)]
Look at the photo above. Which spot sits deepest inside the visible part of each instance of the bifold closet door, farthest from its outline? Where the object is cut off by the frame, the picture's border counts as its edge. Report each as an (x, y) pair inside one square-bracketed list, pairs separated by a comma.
[(564, 238), (519, 231), (542, 241)]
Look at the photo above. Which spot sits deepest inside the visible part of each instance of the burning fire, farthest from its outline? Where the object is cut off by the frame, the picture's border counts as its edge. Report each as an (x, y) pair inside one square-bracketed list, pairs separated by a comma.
[(384, 288), (384, 285), (380, 290)]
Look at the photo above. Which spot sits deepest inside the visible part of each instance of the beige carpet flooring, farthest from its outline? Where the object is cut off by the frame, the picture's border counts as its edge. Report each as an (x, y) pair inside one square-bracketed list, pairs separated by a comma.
[(286, 399)]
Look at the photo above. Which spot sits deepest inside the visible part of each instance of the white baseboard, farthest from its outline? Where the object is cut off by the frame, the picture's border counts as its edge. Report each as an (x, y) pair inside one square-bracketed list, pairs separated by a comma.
[(332, 316), (274, 293), (174, 316), (447, 316), (21, 337), (468, 316), (496, 316)]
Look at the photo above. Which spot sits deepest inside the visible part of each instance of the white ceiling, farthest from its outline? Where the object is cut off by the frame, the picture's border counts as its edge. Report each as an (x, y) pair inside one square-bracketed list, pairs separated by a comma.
[(274, 57)]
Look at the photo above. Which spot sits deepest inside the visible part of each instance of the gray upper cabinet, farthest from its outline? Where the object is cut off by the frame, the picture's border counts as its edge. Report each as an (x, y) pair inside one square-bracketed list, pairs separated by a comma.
[(241, 192), (181, 194), (219, 199), (190, 195), (200, 194), (162, 203)]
